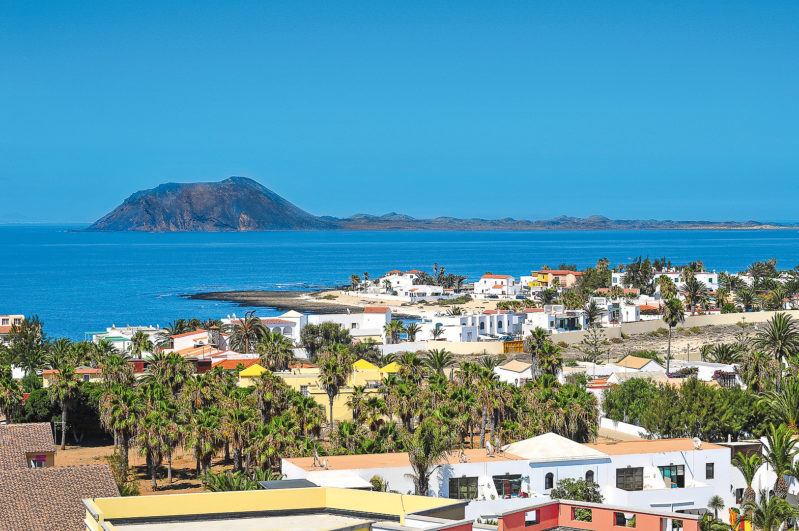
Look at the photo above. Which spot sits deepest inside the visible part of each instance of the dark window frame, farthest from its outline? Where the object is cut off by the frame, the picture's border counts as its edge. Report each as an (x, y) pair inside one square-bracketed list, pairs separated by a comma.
[(549, 481), (710, 470), (630, 478), (465, 484)]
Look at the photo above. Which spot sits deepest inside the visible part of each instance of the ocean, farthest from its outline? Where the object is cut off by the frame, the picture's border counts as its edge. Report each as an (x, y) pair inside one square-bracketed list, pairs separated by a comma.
[(81, 281)]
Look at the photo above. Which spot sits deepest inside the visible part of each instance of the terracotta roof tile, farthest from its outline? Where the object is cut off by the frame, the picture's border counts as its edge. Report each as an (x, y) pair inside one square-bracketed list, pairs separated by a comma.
[(16, 440), (200, 331), (51, 498), (397, 459), (231, 365), (495, 276), (650, 447), (376, 309)]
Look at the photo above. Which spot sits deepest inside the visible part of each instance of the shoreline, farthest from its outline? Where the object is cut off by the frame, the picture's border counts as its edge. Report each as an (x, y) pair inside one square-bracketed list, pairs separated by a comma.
[(301, 301)]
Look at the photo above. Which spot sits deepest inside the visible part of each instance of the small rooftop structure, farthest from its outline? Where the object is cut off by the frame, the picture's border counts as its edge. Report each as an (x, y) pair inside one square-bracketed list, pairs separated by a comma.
[(253, 371), (550, 447), (363, 365), (634, 362), (18, 442), (516, 366)]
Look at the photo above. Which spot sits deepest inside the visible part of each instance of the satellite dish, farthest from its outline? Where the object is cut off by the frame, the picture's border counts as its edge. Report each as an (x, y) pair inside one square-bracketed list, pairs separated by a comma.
[(697, 442)]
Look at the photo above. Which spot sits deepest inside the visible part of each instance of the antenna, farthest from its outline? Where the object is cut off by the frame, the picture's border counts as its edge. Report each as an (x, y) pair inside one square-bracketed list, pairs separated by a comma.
[(697, 442)]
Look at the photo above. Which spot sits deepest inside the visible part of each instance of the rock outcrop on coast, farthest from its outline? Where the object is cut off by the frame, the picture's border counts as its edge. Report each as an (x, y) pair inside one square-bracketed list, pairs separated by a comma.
[(235, 204), (242, 204)]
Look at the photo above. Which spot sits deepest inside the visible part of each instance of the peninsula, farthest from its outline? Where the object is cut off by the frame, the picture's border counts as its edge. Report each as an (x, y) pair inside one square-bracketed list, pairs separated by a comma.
[(242, 204)]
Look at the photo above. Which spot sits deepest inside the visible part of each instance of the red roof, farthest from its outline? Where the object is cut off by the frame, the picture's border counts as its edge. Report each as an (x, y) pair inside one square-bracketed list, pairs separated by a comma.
[(376, 309), (634, 291), (415, 272), (5, 329), (649, 307), (559, 272), (498, 286), (490, 311), (302, 365), (533, 310), (231, 364), (394, 272), (495, 276), (77, 371), (275, 321), (200, 331)]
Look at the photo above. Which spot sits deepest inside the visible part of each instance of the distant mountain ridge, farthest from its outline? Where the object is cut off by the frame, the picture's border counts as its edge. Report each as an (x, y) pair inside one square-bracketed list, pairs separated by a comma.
[(242, 204)]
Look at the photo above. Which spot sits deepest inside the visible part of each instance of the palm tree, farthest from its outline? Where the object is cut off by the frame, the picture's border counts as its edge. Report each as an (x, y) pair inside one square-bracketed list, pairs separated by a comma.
[(438, 360), (437, 332), (748, 465), (10, 393), (715, 504), (246, 332), (427, 446), (335, 368), (203, 436), (725, 353), (412, 329), (784, 404), (781, 451), (65, 383), (780, 337), (150, 442), (534, 343), (592, 313), (550, 360), (747, 298), (411, 367), (171, 371), (673, 314), (276, 351), (695, 291), (667, 287), (393, 330), (140, 343), (770, 514), (120, 408), (238, 421), (27, 345)]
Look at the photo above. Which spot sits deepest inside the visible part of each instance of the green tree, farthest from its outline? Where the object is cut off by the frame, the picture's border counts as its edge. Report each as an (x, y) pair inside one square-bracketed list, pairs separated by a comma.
[(392, 330), (276, 351), (780, 337), (412, 329), (748, 465), (246, 332), (770, 513), (140, 343), (780, 454), (335, 368), (10, 393), (65, 383), (673, 314), (427, 447), (315, 338), (27, 345), (695, 291), (577, 490), (715, 504), (438, 360)]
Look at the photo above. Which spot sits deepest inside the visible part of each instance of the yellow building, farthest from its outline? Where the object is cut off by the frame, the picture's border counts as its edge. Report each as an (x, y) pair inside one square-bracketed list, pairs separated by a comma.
[(304, 378), (313, 509)]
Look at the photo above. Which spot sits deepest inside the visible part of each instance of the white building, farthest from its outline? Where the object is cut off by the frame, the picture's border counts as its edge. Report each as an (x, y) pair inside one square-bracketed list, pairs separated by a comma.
[(554, 319), (514, 372), (497, 286), (709, 278), (673, 474), (370, 323), (489, 325), (6, 322)]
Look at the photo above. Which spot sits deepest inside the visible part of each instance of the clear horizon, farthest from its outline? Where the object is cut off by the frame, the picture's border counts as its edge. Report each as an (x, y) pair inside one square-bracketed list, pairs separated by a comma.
[(626, 110)]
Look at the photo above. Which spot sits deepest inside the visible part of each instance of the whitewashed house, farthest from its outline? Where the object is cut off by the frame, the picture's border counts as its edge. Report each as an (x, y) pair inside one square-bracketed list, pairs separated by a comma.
[(673, 474), (489, 325), (370, 323), (497, 286), (554, 319), (514, 372)]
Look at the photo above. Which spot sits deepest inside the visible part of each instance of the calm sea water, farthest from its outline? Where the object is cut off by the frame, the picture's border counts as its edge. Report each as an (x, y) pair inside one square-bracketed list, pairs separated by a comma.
[(80, 281)]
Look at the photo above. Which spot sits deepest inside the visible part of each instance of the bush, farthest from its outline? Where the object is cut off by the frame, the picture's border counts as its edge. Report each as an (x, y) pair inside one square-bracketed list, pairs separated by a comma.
[(563, 344), (31, 382), (577, 490), (616, 340), (38, 408), (695, 330)]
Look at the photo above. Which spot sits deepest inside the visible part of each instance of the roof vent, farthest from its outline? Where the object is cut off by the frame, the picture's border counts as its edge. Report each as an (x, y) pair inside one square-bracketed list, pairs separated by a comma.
[(697, 443)]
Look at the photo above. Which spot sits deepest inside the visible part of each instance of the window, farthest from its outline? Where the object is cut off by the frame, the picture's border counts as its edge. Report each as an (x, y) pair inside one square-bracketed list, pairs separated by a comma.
[(673, 476), (304, 390), (354, 326), (549, 481), (630, 478), (531, 518), (499, 324), (5, 322), (86, 377), (710, 471), (589, 477), (581, 514), (482, 326), (508, 486), (739, 496), (17, 321), (676, 524), (622, 520), (463, 488)]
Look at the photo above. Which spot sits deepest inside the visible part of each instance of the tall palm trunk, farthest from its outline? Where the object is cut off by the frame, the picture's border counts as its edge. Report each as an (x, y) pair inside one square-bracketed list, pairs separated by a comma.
[(169, 465), (330, 396), (236, 459), (483, 421), (668, 354), (151, 468), (63, 424), (126, 452)]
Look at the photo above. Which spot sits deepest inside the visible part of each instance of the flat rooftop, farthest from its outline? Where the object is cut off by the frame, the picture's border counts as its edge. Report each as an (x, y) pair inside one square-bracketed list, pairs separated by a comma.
[(651, 446), (296, 522), (396, 459)]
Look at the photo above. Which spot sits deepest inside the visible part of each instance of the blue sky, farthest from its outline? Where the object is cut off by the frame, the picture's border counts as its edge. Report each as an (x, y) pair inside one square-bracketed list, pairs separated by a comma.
[(680, 110)]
